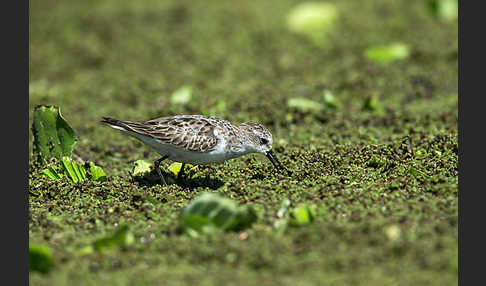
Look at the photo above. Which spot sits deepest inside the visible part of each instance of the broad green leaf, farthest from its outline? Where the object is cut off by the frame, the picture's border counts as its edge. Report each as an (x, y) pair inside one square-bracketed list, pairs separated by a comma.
[(40, 258), (80, 171), (74, 171), (141, 168), (211, 212), (195, 225), (52, 172), (181, 96), (224, 217), (176, 167), (329, 99), (97, 173), (121, 238), (53, 137), (244, 218), (387, 53), (302, 215), (304, 104), (313, 20)]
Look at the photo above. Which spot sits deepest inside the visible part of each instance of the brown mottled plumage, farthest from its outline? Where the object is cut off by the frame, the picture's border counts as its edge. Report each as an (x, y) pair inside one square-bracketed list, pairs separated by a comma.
[(184, 131), (198, 139)]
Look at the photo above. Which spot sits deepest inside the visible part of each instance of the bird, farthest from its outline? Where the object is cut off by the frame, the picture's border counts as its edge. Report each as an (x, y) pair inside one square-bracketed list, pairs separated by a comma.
[(198, 139)]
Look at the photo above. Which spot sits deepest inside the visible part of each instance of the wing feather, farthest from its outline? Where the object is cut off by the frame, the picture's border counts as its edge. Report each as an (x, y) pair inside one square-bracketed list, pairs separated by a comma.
[(192, 132)]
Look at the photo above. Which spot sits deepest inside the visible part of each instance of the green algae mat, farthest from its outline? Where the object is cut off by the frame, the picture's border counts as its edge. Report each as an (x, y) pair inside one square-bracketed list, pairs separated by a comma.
[(361, 98)]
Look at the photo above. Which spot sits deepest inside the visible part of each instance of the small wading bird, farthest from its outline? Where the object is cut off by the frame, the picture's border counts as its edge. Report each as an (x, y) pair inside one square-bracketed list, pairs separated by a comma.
[(197, 139)]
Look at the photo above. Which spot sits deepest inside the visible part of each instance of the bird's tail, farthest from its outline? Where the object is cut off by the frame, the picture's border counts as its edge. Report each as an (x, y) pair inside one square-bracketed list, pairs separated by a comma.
[(134, 128), (116, 123)]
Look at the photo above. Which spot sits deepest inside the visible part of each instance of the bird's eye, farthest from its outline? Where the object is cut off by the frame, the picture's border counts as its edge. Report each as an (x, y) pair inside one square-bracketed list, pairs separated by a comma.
[(263, 141)]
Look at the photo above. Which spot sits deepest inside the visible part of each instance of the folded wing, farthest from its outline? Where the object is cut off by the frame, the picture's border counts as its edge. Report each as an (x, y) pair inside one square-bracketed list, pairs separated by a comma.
[(195, 133)]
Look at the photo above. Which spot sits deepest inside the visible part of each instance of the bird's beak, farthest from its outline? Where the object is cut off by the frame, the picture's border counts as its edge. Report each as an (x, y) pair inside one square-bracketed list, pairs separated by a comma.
[(271, 156)]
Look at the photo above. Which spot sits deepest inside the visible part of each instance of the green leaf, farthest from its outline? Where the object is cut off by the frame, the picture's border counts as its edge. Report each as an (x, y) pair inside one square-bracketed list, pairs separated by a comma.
[(74, 171), (211, 212), (176, 167), (244, 218), (141, 168), (329, 99), (387, 53), (40, 258), (182, 95), (302, 215), (313, 20), (53, 137), (121, 238), (52, 173), (304, 104), (97, 173), (195, 225)]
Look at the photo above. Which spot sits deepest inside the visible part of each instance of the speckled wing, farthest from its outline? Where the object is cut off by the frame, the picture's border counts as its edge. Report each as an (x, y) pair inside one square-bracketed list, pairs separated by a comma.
[(195, 133)]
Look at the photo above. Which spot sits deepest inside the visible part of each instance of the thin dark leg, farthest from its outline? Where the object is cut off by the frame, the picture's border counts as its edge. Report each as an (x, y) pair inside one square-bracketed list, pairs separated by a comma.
[(181, 172), (157, 167)]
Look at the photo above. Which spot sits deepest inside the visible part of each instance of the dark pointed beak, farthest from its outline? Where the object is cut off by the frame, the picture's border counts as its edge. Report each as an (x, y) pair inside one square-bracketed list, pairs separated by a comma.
[(271, 156)]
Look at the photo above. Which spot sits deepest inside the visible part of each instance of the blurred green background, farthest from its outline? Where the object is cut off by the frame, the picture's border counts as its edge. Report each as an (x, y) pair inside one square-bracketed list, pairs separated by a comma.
[(356, 93)]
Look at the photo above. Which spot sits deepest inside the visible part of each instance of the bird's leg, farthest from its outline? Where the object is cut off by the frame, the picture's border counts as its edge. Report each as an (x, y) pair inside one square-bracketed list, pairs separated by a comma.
[(179, 176), (157, 167)]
